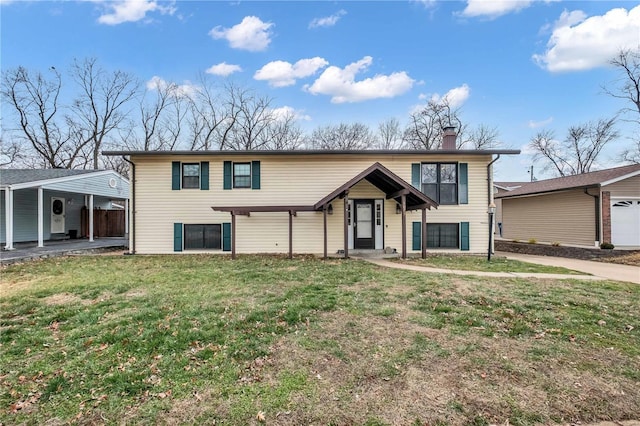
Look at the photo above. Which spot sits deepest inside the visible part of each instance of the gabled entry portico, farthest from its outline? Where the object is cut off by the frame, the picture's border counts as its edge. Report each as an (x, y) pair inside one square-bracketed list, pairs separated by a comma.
[(395, 188)]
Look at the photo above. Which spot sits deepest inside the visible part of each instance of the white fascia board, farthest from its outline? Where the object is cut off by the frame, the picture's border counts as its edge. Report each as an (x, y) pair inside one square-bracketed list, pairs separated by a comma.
[(45, 182), (618, 179)]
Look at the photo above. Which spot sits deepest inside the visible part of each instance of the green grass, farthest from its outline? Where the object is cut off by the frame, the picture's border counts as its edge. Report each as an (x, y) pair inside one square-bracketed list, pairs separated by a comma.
[(480, 263), (193, 339)]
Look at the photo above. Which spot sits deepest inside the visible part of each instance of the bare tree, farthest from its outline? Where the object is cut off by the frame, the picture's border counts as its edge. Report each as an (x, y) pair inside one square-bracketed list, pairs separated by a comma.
[(482, 137), (578, 152), (627, 88), (390, 134), (101, 106), (35, 100), (424, 130), (343, 137), (283, 133)]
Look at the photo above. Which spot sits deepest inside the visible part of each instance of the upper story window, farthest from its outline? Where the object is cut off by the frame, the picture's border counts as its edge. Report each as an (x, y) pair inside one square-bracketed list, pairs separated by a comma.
[(440, 182), (242, 175), (190, 175)]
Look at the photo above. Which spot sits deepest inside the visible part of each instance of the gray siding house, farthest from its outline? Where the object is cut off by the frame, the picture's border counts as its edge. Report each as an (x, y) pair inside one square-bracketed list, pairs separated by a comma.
[(46, 204)]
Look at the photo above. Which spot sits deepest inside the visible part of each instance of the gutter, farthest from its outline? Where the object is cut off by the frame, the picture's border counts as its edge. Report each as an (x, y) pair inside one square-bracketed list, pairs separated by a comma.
[(597, 209), (489, 198), (132, 249)]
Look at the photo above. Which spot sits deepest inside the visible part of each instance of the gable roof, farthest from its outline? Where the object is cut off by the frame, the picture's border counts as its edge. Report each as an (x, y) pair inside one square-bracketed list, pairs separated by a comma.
[(15, 176), (388, 182), (598, 178)]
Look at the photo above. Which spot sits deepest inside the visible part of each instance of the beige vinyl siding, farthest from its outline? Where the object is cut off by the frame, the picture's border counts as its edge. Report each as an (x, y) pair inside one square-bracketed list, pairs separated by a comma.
[(625, 188), (566, 217), (290, 180)]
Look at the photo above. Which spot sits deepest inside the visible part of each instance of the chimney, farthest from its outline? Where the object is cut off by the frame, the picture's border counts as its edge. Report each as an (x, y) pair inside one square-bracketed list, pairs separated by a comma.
[(449, 138)]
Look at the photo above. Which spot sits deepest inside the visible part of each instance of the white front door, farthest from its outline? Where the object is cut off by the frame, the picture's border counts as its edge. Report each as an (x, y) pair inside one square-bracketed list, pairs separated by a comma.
[(57, 215), (625, 222)]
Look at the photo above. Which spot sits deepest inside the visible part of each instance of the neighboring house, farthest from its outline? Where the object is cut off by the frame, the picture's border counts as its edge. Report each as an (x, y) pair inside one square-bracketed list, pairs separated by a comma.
[(586, 209), (46, 204), (310, 201), (498, 188)]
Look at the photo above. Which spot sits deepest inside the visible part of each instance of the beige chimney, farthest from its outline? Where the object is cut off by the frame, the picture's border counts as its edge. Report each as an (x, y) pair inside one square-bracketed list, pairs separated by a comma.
[(449, 138)]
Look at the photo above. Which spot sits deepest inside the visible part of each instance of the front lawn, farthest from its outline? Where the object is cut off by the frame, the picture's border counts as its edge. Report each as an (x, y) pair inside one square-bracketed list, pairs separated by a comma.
[(204, 340), (480, 263)]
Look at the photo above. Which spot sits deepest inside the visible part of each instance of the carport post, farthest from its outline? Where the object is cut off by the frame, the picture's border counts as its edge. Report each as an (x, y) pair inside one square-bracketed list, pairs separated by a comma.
[(91, 218), (40, 217), (8, 207)]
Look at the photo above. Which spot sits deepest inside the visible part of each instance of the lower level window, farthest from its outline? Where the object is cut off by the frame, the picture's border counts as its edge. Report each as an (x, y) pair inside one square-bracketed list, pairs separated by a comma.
[(442, 235), (202, 237)]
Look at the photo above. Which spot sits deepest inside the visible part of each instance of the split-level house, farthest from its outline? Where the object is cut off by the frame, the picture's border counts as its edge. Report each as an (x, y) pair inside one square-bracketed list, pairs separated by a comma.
[(309, 201)]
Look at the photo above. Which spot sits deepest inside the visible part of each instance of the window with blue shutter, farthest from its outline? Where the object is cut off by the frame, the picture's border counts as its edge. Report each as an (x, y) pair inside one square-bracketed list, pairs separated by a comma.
[(415, 176), (177, 237), (175, 175), (416, 236), (464, 236), (226, 171), (255, 175), (204, 175), (226, 236), (463, 185)]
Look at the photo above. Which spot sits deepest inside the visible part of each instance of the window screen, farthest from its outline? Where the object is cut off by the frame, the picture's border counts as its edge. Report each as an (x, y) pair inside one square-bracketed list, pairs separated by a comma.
[(191, 175), (202, 237), (442, 235)]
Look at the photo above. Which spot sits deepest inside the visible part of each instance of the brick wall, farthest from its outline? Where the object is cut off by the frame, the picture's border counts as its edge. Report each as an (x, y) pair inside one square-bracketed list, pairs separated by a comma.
[(606, 217)]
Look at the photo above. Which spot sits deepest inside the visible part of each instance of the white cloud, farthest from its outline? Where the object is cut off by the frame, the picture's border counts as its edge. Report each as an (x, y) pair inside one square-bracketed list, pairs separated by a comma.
[(223, 69), (287, 111), (183, 90), (455, 97), (536, 124), (132, 10), (251, 34), (493, 8), (341, 85), (327, 21), (281, 73), (581, 43)]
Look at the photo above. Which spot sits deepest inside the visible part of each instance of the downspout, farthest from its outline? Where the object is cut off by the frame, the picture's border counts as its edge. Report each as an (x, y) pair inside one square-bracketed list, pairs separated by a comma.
[(132, 249), (597, 206), (489, 201)]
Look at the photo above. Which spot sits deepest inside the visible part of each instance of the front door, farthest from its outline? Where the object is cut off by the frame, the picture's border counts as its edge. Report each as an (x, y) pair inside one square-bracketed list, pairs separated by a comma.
[(363, 224), (57, 215)]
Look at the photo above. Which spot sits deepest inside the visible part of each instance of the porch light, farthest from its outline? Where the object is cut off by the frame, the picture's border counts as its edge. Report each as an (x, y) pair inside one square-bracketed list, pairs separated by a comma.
[(330, 209), (398, 208)]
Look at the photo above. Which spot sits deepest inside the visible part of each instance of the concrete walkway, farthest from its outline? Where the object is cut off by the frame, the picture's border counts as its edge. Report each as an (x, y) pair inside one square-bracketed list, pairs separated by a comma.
[(598, 270), (610, 271), (30, 251)]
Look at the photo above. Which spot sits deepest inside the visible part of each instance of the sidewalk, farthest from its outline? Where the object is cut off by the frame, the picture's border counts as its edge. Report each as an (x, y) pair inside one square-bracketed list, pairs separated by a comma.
[(597, 270)]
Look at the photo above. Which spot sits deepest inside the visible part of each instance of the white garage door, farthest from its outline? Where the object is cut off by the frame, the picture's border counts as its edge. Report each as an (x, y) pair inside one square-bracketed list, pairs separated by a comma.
[(625, 222)]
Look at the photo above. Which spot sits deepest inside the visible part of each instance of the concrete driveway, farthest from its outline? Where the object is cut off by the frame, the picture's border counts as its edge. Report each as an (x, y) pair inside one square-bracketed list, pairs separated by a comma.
[(610, 271)]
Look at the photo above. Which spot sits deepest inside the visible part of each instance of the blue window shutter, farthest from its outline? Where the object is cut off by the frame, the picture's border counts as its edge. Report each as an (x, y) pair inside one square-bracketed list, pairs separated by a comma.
[(255, 175), (226, 236), (204, 175), (175, 175), (417, 236), (464, 236), (415, 176), (227, 175), (177, 237), (463, 187)]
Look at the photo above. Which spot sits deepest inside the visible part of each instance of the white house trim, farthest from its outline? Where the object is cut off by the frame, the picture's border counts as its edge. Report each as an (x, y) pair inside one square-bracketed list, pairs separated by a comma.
[(40, 217), (618, 179), (8, 206), (45, 182)]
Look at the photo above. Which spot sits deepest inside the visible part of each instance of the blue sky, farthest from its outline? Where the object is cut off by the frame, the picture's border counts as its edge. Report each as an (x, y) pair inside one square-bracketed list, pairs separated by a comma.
[(519, 66)]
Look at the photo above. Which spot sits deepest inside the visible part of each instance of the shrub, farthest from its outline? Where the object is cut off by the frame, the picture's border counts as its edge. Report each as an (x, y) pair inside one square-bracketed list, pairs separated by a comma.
[(532, 241), (556, 243), (606, 246), (516, 241)]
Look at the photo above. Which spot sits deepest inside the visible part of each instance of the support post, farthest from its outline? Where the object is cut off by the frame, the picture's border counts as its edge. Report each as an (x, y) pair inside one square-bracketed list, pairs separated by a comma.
[(233, 235), (290, 234), (8, 208), (424, 233), (346, 225), (40, 217), (324, 217), (91, 218), (403, 202), (490, 235)]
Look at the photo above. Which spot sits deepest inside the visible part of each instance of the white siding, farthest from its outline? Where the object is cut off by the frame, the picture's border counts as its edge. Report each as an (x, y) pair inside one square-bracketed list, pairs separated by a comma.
[(290, 180)]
